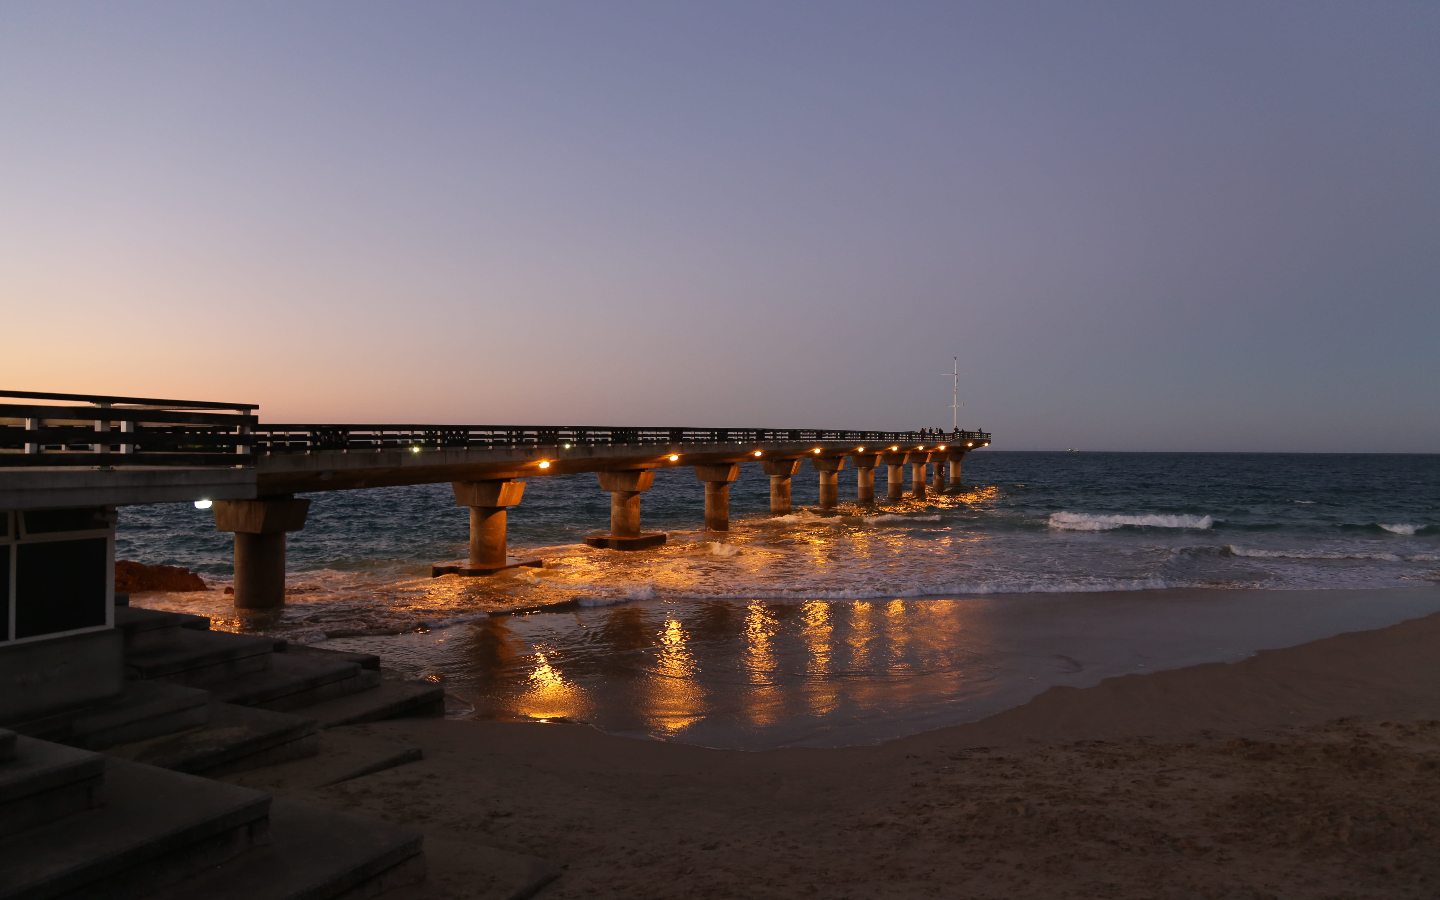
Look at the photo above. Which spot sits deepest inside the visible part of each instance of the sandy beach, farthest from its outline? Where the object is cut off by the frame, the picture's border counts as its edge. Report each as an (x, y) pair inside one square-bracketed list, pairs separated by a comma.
[(1310, 771)]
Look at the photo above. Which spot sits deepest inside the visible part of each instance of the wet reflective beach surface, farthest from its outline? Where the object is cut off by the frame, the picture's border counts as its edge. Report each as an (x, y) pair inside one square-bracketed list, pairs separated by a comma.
[(855, 626), (761, 674)]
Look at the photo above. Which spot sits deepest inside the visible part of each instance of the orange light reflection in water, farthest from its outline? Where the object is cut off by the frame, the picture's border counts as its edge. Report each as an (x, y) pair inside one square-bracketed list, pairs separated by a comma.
[(549, 695), (759, 662), (675, 699), (820, 694)]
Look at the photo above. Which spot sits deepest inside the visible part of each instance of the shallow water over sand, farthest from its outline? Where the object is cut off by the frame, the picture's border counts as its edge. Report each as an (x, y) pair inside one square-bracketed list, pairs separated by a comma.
[(761, 674), (857, 625)]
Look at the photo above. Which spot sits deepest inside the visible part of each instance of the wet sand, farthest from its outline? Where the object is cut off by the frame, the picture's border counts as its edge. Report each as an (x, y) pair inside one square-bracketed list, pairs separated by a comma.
[(1311, 771)]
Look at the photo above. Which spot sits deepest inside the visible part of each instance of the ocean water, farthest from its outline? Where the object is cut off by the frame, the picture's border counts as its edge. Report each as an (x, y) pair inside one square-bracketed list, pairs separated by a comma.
[(857, 626)]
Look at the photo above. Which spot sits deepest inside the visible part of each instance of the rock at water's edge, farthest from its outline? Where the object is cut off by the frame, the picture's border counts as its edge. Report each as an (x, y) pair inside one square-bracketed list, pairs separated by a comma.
[(133, 577)]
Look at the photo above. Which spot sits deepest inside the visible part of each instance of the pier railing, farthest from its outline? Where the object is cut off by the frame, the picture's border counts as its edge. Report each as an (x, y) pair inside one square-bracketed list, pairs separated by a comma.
[(95, 430), (305, 438)]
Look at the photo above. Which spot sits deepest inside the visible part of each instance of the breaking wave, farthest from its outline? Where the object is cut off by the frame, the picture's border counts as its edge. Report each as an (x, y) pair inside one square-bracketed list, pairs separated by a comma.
[(1310, 554), (1069, 521), (1401, 529), (893, 518)]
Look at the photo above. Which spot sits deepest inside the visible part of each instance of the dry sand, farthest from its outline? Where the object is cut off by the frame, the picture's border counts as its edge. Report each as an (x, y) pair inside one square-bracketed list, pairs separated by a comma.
[(1312, 771)]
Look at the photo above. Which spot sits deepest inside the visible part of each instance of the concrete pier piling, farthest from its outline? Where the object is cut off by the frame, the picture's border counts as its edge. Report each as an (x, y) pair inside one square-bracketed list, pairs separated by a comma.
[(956, 457), (937, 475), (625, 488), (894, 474), (717, 480), (829, 469), (865, 464), (780, 472), (917, 474), (488, 501), (259, 527)]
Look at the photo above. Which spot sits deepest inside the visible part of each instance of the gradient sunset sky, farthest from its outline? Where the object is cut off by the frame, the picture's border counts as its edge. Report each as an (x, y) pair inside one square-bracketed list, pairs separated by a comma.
[(1141, 226)]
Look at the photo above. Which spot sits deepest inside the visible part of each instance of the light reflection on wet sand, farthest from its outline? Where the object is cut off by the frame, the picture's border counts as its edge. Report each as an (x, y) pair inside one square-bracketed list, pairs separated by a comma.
[(769, 673)]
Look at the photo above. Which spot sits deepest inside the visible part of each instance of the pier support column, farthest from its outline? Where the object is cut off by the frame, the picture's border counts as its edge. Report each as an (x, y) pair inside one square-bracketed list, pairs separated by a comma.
[(829, 468), (625, 488), (780, 472), (488, 501), (937, 476), (259, 527), (956, 456), (917, 474), (717, 479), (894, 475), (865, 464)]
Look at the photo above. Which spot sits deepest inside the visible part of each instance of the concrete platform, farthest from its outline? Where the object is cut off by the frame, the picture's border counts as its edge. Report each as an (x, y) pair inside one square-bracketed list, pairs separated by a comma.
[(390, 700), (142, 709), (643, 542), (41, 782), (511, 562), (315, 855), (155, 828), (199, 657), (363, 660), (237, 738), (294, 681)]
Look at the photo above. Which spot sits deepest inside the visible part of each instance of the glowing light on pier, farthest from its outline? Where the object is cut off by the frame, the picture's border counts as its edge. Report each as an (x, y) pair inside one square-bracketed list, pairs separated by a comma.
[(202, 504), (757, 452), (674, 457), (544, 463)]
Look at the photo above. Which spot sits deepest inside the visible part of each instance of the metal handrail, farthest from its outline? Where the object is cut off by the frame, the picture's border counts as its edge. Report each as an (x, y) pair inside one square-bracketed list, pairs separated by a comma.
[(310, 438), (151, 432), (197, 433)]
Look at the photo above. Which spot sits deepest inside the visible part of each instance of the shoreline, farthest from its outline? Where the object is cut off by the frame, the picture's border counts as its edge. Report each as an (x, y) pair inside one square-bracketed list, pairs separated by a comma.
[(1307, 771)]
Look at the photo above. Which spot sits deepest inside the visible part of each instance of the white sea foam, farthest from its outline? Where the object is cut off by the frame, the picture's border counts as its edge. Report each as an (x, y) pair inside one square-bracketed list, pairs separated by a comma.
[(1254, 553), (892, 517), (726, 550), (1401, 529), (592, 602), (1069, 521), (997, 586)]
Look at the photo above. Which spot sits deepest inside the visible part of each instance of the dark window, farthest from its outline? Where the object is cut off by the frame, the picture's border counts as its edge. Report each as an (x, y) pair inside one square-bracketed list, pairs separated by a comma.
[(49, 521), (4, 592), (60, 586)]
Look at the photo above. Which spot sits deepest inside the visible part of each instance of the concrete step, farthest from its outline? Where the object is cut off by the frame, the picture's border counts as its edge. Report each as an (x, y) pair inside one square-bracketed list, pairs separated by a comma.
[(156, 828), (363, 660), (316, 855), (343, 755), (235, 739), (390, 700), (143, 709), (146, 629), (41, 782), (292, 682), (201, 657)]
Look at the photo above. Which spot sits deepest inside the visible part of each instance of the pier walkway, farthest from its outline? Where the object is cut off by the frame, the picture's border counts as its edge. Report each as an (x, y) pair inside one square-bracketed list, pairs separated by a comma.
[(76, 450)]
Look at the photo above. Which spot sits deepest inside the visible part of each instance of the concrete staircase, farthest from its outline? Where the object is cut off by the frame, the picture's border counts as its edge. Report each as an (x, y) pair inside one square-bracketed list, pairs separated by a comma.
[(260, 701), (75, 824)]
